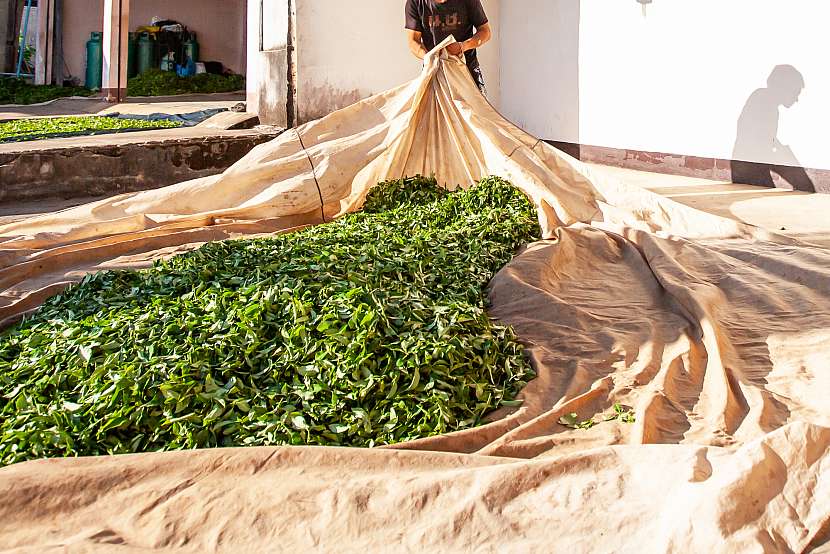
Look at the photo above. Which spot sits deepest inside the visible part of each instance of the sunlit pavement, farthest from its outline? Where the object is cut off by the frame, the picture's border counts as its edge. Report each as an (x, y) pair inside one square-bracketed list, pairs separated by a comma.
[(798, 214)]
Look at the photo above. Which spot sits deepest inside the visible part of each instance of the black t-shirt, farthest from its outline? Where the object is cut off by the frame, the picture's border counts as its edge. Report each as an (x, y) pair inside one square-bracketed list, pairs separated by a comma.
[(436, 21)]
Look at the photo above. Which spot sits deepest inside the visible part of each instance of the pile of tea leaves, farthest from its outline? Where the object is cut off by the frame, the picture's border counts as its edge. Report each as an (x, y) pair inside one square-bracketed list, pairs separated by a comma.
[(156, 82), (18, 91), (370, 330)]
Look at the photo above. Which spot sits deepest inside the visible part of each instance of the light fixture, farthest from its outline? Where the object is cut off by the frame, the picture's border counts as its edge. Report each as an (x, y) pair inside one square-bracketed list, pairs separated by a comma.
[(645, 4)]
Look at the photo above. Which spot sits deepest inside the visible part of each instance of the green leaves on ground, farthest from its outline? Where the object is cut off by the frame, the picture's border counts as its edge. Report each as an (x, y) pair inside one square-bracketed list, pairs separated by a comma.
[(367, 331), (620, 413), (18, 91), (156, 82), (41, 128)]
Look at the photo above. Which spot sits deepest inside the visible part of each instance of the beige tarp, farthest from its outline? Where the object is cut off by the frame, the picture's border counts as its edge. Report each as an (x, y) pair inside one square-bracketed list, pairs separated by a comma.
[(715, 333)]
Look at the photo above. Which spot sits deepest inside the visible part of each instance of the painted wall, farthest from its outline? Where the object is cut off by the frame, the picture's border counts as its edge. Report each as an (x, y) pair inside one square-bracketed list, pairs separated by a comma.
[(674, 79), (340, 61), (80, 18), (267, 82), (220, 26), (539, 51)]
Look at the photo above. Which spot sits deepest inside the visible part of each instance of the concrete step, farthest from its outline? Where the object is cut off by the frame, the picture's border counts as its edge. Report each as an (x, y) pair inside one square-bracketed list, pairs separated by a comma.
[(227, 121), (801, 215), (80, 167)]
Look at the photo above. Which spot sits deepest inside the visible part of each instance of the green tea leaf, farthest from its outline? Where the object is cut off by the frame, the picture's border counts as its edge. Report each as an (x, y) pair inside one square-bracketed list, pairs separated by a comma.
[(369, 330)]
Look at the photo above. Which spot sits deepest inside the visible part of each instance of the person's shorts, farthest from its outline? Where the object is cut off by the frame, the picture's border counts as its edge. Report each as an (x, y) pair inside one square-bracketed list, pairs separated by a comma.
[(478, 77)]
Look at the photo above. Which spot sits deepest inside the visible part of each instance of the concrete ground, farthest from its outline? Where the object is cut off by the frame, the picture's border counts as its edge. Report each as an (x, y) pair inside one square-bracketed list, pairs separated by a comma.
[(187, 103), (797, 214), (110, 164)]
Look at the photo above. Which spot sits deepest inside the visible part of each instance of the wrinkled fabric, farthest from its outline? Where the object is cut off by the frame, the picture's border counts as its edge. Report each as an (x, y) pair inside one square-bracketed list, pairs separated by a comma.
[(714, 334), (628, 498)]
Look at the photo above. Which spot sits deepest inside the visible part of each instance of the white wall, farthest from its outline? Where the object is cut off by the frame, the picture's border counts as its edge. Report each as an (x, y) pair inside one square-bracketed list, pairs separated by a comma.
[(675, 80), (539, 50), (350, 50), (267, 79)]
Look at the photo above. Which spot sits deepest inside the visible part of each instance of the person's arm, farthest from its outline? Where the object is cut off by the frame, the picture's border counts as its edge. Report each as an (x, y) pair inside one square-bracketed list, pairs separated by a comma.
[(414, 30), (416, 45), (482, 37), (483, 31)]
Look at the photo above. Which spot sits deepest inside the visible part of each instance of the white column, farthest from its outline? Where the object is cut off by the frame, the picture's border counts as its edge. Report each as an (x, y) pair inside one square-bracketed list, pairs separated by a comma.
[(116, 29)]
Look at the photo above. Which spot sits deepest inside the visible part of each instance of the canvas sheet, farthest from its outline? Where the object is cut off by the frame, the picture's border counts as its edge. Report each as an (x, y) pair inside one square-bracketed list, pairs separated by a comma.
[(714, 333)]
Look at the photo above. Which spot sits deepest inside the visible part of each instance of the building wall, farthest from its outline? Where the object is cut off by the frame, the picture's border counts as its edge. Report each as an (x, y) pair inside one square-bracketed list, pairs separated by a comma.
[(339, 64), (539, 51), (337, 61), (80, 18), (675, 79), (220, 26), (267, 81)]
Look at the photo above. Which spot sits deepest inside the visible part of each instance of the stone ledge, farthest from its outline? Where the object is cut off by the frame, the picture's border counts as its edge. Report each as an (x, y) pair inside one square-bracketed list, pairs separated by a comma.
[(115, 164)]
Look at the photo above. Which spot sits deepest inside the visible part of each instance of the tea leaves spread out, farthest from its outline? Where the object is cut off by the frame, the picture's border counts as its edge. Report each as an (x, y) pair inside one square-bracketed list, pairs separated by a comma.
[(156, 82), (366, 331), (42, 128)]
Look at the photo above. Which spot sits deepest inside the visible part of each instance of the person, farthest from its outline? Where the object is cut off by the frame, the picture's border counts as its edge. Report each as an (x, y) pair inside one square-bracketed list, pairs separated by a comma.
[(429, 22)]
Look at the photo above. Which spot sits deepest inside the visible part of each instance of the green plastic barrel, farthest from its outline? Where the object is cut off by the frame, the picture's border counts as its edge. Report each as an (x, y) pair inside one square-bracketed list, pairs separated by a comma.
[(132, 51), (94, 61), (191, 48), (146, 53)]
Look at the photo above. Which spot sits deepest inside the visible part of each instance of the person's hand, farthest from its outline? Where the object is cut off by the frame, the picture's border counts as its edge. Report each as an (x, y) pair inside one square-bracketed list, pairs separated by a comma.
[(455, 49)]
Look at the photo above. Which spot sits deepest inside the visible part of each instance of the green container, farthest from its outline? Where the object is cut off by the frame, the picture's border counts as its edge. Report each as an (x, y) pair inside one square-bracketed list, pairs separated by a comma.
[(94, 61), (132, 51), (191, 49), (146, 53)]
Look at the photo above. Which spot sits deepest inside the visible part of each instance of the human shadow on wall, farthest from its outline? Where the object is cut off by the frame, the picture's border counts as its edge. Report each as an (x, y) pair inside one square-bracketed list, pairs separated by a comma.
[(758, 154)]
